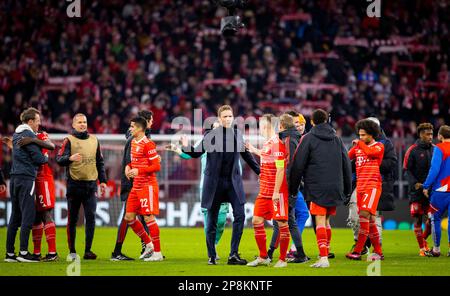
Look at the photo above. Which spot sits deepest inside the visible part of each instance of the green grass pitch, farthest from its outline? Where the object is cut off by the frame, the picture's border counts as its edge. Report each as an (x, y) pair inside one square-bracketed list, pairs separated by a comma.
[(185, 253)]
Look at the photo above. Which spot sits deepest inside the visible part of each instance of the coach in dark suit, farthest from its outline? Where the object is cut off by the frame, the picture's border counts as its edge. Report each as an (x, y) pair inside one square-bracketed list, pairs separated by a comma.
[(223, 180)]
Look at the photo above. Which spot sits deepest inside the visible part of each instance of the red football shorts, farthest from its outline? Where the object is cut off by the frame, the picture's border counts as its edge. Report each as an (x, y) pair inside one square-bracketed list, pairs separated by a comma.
[(267, 209), (45, 194), (143, 201), (368, 200), (419, 208), (317, 210)]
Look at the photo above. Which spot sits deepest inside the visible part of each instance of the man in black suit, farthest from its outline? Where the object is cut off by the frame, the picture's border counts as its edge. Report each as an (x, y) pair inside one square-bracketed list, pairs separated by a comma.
[(223, 180)]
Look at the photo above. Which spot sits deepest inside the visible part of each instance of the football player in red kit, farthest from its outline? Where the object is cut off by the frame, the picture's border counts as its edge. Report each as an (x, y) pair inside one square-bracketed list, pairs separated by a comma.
[(368, 155), (272, 200), (143, 198), (45, 202)]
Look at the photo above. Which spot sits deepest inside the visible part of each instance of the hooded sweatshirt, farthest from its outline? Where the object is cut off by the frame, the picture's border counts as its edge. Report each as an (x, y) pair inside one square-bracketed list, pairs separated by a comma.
[(26, 159), (322, 160)]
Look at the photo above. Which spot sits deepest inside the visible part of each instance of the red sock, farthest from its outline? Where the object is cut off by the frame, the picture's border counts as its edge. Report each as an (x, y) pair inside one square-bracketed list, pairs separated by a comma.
[(36, 233), (260, 236), (154, 233), (50, 235), (284, 241), (427, 231), (362, 235), (138, 228), (328, 237), (375, 238), (322, 240), (418, 233)]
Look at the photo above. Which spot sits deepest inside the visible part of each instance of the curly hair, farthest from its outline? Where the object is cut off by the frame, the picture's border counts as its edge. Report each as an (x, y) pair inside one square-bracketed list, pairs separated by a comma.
[(423, 127), (369, 126)]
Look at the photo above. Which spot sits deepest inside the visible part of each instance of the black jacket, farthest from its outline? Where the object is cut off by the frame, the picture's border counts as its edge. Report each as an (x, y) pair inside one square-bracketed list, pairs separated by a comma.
[(26, 159), (125, 183), (388, 168), (416, 165), (64, 154), (214, 163), (291, 136), (322, 160)]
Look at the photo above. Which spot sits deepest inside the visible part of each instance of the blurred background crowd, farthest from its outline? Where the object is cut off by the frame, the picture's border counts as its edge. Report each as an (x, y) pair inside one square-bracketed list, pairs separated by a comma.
[(166, 56)]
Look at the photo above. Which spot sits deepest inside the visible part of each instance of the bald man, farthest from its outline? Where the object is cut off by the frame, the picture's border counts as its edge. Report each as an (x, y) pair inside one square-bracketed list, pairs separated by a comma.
[(80, 153)]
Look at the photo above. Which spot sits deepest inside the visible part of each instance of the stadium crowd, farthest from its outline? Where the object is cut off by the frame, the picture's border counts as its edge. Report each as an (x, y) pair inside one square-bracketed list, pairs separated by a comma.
[(123, 56)]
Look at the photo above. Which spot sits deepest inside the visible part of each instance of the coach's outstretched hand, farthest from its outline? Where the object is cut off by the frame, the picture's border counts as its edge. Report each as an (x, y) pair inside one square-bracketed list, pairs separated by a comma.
[(184, 141), (173, 148)]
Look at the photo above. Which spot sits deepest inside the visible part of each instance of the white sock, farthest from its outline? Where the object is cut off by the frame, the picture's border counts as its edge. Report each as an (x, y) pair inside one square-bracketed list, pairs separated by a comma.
[(10, 254), (23, 252), (437, 249)]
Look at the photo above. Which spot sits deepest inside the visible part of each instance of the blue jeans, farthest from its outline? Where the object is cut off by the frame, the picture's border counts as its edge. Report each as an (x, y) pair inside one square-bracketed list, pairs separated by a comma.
[(301, 212)]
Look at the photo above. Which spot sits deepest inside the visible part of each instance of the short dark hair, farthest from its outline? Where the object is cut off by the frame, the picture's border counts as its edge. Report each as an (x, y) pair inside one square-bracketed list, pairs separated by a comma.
[(146, 114), (140, 121), (444, 131), (319, 116), (423, 127), (369, 126), (293, 113), (29, 114)]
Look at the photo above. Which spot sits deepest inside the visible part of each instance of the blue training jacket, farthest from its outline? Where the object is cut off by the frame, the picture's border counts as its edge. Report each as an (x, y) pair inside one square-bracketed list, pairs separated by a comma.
[(438, 178)]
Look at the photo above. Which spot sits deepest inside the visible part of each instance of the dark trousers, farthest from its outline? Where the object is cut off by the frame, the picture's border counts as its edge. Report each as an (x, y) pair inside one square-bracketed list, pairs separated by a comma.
[(23, 212), (75, 198), (293, 229), (225, 193)]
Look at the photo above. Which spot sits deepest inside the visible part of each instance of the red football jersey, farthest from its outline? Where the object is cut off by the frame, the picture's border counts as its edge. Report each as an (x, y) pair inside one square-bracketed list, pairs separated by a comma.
[(273, 150), (144, 158), (368, 159), (44, 170)]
